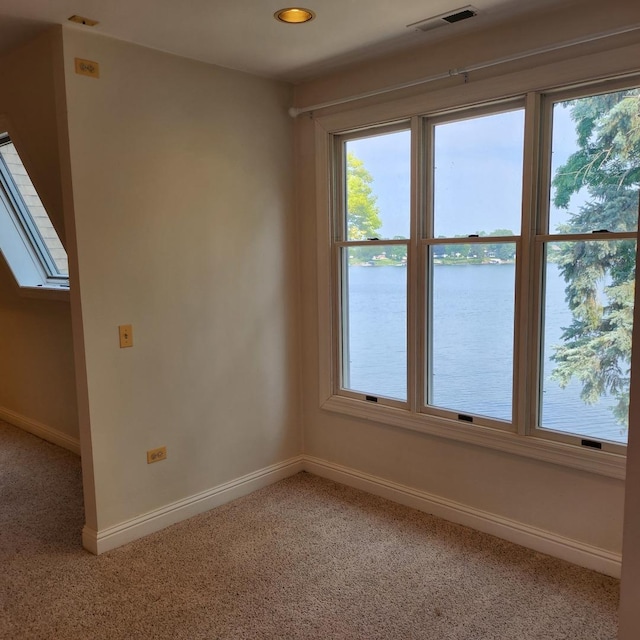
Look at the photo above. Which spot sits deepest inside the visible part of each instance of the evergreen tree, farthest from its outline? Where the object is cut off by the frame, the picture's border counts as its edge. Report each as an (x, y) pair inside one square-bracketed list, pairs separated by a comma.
[(600, 275)]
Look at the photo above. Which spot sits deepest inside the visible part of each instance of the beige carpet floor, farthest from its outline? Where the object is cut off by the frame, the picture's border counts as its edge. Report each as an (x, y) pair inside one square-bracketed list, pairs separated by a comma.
[(303, 559)]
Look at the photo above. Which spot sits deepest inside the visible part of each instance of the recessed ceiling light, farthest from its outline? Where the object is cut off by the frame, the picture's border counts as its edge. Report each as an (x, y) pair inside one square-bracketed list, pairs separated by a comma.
[(294, 15)]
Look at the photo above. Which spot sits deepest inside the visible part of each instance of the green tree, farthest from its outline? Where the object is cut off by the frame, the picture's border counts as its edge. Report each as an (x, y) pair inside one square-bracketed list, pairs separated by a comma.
[(600, 275), (363, 215), (397, 252), (503, 251)]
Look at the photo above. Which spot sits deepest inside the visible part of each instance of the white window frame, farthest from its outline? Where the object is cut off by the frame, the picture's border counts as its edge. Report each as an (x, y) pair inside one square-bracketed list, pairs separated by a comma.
[(341, 243), (427, 240), (524, 439)]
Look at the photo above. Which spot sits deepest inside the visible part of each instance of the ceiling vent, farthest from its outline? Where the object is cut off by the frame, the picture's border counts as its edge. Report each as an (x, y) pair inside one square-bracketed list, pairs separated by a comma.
[(87, 22), (464, 13)]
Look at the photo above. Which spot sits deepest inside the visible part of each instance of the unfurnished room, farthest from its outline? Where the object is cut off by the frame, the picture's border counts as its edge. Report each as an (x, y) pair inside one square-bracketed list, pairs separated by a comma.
[(318, 321)]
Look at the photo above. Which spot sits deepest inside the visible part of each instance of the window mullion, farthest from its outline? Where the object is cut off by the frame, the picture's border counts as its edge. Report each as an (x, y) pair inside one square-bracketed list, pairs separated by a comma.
[(539, 224), (527, 293), (338, 234), (425, 232), (414, 304)]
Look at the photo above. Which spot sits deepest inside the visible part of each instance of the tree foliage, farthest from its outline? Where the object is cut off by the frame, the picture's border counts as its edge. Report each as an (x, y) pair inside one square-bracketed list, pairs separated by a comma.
[(600, 275), (363, 215)]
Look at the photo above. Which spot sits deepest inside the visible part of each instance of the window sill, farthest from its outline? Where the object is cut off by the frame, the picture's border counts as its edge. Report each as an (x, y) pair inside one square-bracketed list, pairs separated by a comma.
[(45, 293), (603, 463)]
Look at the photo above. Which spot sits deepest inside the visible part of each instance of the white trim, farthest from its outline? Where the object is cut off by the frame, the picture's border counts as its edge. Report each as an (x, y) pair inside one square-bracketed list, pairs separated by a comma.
[(568, 549), (605, 463), (587, 69), (294, 112), (552, 544), (41, 430), (326, 316), (98, 542)]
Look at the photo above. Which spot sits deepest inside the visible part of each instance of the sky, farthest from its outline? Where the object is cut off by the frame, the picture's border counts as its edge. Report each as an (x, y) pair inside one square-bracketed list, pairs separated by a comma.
[(478, 173)]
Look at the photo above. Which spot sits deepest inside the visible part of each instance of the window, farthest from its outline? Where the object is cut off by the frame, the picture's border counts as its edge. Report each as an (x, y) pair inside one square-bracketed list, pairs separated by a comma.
[(471, 233), (587, 247), (28, 241), (374, 234), (484, 269)]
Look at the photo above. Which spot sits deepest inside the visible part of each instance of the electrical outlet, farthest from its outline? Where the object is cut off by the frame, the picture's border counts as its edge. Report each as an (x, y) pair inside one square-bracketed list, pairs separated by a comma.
[(87, 67), (126, 335), (155, 455)]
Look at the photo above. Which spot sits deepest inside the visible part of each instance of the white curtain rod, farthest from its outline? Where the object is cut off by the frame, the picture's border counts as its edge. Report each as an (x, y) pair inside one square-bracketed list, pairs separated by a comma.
[(294, 112)]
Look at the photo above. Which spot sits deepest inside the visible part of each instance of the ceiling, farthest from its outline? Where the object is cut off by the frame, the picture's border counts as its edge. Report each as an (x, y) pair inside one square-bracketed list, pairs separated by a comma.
[(243, 35)]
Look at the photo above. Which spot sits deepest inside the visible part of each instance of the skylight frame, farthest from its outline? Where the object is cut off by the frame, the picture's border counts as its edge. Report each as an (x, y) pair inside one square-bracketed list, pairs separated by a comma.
[(26, 250)]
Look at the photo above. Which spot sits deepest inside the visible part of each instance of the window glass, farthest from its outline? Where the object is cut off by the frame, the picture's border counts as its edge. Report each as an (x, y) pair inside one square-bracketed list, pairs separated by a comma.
[(586, 354), (589, 284), (27, 206), (595, 161), (378, 186), (374, 320), (478, 175), (470, 345)]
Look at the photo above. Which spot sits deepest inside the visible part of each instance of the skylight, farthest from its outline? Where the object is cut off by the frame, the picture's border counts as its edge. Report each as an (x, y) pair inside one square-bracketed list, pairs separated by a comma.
[(28, 240)]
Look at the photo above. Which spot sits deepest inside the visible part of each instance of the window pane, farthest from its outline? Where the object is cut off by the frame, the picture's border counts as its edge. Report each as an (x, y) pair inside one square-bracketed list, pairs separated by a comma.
[(588, 319), (478, 175), (470, 350), (378, 184), (374, 322), (595, 163), (46, 234)]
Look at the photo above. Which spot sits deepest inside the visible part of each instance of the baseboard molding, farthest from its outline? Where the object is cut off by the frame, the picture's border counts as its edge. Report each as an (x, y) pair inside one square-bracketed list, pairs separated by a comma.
[(573, 551), (41, 430), (98, 542)]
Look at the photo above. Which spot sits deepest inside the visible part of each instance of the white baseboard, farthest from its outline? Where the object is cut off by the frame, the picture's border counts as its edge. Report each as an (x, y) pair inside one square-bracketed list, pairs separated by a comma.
[(573, 551), (97, 542), (41, 430), (106, 539)]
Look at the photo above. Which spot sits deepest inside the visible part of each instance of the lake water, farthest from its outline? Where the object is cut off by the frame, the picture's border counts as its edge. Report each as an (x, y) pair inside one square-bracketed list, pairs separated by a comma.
[(472, 338)]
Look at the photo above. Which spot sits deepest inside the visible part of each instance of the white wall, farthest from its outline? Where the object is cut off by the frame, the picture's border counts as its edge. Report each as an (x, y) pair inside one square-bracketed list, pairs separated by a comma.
[(184, 224), (583, 507), (37, 390)]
